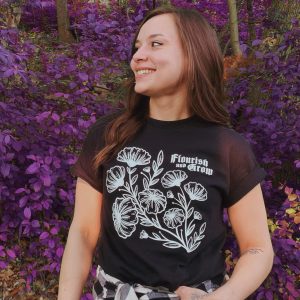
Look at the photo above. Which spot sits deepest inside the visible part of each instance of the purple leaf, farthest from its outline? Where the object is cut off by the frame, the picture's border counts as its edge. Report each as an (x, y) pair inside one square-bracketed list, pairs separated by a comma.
[(72, 85), (32, 157), (54, 230), (83, 76), (11, 253), (55, 117), (20, 190), (17, 146), (51, 244), (23, 201), (35, 223), (46, 180), (3, 105), (100, 28), (292, 290), (41, 117), (7, 139), (256, 42), (33, 168), (37, 186), (8, 73), (3, 264), (60, 251), (46, 204), (5, 170), (27, 213), (44, 235), (48, 160), (259, 54)]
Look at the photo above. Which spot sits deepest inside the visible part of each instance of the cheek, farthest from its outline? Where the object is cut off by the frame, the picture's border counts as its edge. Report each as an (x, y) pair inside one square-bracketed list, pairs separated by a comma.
[(131, 64)]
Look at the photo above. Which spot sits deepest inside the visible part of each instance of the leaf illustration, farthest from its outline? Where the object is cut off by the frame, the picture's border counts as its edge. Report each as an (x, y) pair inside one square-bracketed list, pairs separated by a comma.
[(190, 229), (158, 171), (160, 157), (202, 228), (146, 184), (181, 199), (133, 170), (154, 166), (195, 236), (156, 236), (136, 190), (194, 246), (145, 222), (190, 242), (128, 170), (154, 221), (191, 210), (155, 181), (135, 177), (200, 237), (127, 185), (172, 245)]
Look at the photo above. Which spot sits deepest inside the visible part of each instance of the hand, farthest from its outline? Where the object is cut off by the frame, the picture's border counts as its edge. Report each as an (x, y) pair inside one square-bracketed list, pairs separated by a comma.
[(187, 293)]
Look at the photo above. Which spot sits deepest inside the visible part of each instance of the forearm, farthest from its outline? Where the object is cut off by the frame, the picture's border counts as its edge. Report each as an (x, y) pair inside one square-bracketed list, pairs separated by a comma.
[(75, 266), (250, 271)]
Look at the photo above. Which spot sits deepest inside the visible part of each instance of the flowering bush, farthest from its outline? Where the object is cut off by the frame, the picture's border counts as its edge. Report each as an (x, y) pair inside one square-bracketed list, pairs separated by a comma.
[(51, 94)]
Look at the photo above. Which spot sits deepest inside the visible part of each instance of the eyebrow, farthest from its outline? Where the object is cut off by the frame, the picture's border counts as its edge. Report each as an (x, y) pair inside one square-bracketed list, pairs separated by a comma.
[(151, 36)]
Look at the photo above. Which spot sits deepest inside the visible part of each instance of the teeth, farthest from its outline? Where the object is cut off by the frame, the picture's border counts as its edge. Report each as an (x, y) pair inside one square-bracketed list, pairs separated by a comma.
[(144, 71)]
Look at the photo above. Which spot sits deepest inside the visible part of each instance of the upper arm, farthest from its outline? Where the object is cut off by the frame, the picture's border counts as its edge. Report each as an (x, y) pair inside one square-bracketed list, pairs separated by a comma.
[(87, 211), (248, 219)]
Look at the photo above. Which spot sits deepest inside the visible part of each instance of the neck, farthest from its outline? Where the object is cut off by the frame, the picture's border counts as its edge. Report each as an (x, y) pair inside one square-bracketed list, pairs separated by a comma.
[(168, 108)]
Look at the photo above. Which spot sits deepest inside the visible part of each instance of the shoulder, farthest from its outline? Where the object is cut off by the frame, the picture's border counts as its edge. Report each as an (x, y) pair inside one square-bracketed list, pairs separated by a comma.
[(104, 120), (233, 139), (96, 132)]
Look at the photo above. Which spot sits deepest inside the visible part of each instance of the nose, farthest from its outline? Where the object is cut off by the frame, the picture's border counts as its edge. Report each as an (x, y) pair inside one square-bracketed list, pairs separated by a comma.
[(140, 54)]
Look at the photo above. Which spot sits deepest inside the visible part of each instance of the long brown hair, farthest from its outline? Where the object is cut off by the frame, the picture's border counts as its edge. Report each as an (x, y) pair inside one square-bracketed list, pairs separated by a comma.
[(203, 74)]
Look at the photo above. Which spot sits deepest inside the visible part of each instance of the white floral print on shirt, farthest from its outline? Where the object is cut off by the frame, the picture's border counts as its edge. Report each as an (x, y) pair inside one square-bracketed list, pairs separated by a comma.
[(177, 225)]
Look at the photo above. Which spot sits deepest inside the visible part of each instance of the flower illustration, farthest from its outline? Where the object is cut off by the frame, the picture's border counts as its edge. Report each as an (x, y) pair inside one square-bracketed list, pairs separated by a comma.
[(170, 194), (147, 169), (134, 156), (115, 178), (174, 217), (196, 191), (197, 215), (144, 235), (173, 178), (153, 200), (125, 217)]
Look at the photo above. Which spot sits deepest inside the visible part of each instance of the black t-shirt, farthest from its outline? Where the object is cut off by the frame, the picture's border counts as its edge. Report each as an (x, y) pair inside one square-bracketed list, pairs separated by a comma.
[(164, 194)]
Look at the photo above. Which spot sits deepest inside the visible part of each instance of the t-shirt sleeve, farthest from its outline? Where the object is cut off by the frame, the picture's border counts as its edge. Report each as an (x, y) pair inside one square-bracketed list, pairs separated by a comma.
[(83, 167), (244, 171)]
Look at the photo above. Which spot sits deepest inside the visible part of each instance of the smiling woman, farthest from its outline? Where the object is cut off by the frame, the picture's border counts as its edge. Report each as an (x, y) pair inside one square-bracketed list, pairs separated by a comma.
[(153, 62), (157, 175)]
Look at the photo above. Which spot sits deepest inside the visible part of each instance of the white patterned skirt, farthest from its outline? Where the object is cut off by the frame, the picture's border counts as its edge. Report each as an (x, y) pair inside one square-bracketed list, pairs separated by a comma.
[(110, 288)]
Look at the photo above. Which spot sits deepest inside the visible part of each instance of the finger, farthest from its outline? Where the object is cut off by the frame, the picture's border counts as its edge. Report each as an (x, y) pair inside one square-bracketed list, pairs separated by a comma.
[(181, 290), (184, 291)]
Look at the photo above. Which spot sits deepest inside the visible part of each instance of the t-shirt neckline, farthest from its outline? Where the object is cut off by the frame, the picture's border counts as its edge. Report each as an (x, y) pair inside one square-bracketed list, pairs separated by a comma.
[(172, 124)]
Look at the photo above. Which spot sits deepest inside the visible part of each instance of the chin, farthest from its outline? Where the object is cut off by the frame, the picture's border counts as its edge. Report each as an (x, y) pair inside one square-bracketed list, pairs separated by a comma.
[(142, 92)]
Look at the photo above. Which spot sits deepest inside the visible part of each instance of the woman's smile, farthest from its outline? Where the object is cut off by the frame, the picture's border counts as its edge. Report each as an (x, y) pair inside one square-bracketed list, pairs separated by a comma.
[(143, 73)]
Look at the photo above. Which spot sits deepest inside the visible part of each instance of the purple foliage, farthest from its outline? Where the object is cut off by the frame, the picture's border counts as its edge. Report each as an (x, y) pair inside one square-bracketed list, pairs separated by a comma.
[(48, 99)]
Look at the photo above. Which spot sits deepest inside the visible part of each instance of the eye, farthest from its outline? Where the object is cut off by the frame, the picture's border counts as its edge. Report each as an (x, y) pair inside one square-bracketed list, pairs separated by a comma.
[(156, 43)]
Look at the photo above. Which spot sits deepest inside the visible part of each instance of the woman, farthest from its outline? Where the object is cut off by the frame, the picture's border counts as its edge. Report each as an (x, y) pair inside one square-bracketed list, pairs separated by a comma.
[(165, 167)]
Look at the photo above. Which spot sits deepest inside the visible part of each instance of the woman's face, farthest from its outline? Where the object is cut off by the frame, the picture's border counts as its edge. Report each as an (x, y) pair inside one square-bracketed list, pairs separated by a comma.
[(159, 59)]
